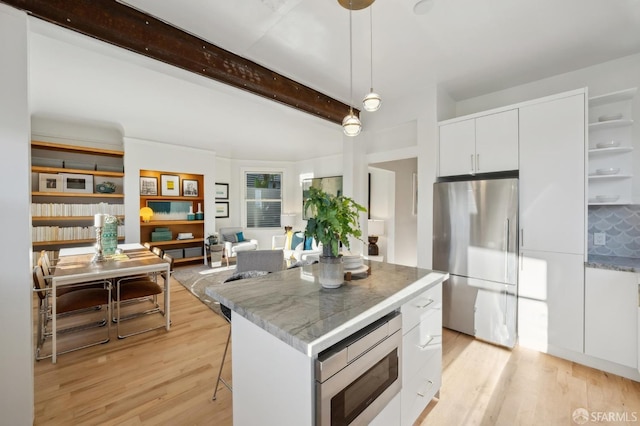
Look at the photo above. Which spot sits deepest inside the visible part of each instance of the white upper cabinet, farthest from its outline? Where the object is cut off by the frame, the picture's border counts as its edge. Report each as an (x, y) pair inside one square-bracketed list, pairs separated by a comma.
[(552, 175), (497, 142), (480, 145), (458, 148)]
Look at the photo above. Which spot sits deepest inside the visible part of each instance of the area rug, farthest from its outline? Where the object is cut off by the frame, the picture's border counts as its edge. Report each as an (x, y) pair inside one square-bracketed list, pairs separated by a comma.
[(197, 278)]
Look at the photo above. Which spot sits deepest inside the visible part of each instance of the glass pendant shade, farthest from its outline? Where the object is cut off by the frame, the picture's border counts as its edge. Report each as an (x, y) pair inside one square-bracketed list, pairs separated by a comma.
[(372, 101), (351, 124)]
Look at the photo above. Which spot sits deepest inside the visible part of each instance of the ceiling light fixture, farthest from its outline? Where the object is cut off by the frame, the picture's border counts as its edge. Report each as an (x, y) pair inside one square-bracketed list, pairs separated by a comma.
[(351, 123), (372, 101), (422, 7)]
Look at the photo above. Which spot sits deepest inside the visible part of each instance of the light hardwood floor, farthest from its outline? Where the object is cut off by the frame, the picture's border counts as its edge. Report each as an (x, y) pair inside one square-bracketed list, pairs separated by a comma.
[(167, 378)]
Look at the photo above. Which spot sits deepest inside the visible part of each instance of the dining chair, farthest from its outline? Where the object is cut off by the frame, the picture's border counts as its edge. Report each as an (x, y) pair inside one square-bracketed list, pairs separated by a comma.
[(83, 298), (249, 264), (142, 289)]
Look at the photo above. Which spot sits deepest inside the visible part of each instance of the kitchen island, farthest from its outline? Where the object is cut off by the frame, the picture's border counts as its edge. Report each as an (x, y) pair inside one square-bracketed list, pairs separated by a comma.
[(282, 321)]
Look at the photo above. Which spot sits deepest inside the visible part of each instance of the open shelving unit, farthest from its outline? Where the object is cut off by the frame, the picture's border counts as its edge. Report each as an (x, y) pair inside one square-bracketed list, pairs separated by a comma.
[(615, 187), (55, 212), (181, 249)]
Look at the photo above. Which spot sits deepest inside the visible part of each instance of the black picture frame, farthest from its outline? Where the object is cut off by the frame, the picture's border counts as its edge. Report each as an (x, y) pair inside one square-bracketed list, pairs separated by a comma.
[(222, 191), (170, 185), (222, 209), (189, 188), (148, 186)]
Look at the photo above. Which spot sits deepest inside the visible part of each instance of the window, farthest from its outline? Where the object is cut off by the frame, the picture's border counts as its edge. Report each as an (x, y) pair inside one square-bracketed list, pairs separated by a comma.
[(263, 197)]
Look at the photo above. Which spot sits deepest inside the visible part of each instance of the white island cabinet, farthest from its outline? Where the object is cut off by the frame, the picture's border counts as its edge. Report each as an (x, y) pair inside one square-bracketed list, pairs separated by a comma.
[(281, 322), (611, 303)]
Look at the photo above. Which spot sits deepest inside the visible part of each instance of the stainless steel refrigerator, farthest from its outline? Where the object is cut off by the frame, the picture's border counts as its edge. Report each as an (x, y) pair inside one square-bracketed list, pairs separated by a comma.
[(475, 239)]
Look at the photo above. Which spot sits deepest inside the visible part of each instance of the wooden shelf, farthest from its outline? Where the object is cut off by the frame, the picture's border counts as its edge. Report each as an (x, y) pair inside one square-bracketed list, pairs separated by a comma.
[(165, 198), (614, 150), (622, 95), (610, 124), (73, 148), (172, 222), (609, 176), (43, 169), (64, 242), (188, 259), (65, 218), (76, 195), (175, 242)]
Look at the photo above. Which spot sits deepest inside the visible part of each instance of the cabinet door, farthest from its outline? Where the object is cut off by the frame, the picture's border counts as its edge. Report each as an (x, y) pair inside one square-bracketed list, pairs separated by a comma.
[(457, 148), (552, 177), (611, 303), (497, 142), (551, 301)]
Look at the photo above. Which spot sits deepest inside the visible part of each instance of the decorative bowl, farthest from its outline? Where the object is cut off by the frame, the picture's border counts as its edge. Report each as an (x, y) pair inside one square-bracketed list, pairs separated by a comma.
[(106, 187), (610, 117), (608, 144), (608, 171), (607, 198)]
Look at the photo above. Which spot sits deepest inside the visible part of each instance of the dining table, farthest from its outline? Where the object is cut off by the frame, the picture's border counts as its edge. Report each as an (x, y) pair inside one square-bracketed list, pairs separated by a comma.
[(74, 268)]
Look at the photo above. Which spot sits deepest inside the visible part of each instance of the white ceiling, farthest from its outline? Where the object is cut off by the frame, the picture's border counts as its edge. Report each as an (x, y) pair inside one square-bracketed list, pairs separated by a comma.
[(470, 47)]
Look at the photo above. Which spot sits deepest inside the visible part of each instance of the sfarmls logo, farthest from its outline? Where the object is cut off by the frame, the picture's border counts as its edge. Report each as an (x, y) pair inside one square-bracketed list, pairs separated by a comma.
[(582, 416)]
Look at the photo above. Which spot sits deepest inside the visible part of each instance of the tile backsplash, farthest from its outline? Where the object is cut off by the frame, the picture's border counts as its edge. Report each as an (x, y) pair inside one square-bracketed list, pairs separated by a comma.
[(621, 224)]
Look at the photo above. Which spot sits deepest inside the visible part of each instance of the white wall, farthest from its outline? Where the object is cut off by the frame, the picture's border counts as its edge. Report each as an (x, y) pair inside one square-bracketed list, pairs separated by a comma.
[(16, 367), (382, 206), (401, 227), (149, 155)]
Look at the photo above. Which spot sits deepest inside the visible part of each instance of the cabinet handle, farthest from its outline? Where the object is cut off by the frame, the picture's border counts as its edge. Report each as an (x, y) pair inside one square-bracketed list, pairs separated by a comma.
[(426, 345), (422, 306), (477, 162), (472, 169), (423, 392), (521, 237)]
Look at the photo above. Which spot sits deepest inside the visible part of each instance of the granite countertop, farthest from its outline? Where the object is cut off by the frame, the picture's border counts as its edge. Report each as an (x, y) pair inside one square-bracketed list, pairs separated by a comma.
[(615, 263), (293, 306)]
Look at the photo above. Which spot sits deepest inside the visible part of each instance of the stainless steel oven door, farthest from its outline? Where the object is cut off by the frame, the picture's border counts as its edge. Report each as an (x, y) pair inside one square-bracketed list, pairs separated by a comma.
[(356, 394)]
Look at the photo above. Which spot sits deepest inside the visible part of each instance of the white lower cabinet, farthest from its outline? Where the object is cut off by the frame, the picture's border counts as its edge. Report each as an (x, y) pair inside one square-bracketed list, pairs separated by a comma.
[(421, 353), (611, 310), (551, 301)]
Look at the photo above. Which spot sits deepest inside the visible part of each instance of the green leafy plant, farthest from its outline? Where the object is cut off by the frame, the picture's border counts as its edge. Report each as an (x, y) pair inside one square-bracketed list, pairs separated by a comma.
[(332, 219)]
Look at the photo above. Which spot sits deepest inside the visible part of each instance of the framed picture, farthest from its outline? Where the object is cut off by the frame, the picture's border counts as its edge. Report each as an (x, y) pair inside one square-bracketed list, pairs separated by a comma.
[(222, 191), (222, 209), (169, 210), (49, 182), (189, 188), (82, 184), (170, 185), (148, 185)]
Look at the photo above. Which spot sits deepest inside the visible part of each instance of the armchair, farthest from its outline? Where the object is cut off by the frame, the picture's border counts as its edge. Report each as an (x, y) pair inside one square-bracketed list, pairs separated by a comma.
[(296, 247), (233, 244)]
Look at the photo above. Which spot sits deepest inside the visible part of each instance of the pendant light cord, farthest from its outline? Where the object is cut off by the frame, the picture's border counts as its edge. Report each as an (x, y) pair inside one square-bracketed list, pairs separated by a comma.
[(350, 58), (371, 33)]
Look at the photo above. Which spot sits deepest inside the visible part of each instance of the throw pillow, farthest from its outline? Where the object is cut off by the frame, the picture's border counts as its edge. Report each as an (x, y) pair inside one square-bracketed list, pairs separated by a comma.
[(308, 243), (239, 237), (296, 239), (232, 238)]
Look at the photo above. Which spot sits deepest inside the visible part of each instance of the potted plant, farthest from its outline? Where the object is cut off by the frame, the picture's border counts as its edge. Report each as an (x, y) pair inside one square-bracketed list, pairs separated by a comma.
[(332, 220)]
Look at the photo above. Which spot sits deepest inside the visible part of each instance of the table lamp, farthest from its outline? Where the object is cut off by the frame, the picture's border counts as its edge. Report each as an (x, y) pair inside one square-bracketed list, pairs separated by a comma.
[(376, 228), (287, 220), (146, 213)]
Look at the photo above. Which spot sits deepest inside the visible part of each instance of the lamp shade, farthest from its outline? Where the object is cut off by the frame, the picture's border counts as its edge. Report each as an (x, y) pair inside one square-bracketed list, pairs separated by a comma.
[(146, 213), (287, 219), (376, 226), (351, 125), (372, 101)]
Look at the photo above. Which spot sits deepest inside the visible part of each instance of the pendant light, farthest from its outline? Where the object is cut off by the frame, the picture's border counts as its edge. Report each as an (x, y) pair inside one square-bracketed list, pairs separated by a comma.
[(351, 123), (372, 101)]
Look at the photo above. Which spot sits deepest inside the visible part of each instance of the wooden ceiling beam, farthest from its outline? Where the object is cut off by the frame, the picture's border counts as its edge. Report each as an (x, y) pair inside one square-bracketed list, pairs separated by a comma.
[(131, 29)]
